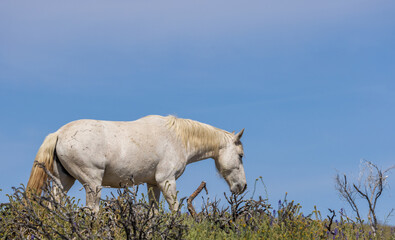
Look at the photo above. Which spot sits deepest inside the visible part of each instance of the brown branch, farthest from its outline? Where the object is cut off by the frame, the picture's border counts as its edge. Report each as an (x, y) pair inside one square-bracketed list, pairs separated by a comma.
[(191, 209), (329, 226)]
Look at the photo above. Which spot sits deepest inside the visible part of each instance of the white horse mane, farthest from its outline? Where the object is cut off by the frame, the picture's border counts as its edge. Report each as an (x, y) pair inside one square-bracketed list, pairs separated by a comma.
[(196, 135)]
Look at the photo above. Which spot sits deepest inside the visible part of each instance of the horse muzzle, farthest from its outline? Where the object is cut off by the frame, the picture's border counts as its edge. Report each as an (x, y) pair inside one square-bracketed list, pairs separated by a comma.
[(238, 188)]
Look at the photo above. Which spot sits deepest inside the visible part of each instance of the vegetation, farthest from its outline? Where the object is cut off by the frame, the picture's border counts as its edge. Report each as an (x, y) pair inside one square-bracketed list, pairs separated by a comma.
[(371, 184), (129, 216)]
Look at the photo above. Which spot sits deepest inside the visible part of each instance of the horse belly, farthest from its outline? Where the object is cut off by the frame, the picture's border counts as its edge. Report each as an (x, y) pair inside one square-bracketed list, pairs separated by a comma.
[(130, 170)]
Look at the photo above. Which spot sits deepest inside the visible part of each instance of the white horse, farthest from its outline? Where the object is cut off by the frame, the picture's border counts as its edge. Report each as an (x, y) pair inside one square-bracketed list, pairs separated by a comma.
[(153, 150)]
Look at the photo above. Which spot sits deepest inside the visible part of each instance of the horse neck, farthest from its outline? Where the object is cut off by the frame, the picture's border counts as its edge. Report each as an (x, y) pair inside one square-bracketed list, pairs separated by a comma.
[(194, 156), (198, 154)]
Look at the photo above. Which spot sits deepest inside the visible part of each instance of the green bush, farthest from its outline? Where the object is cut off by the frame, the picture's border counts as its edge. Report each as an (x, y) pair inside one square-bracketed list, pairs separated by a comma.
[(129, 216)]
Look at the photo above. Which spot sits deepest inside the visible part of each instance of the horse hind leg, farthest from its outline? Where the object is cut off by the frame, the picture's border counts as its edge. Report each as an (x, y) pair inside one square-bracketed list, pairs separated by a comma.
[(93, 193), (92, 181), (64, 181)]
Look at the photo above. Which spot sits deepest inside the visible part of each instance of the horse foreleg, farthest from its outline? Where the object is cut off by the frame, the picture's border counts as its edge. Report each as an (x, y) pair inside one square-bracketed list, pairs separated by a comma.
[(169, 191), (153, 195)]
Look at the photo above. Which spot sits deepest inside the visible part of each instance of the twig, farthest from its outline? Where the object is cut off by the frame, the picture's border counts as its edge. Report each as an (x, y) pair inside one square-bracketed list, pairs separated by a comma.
[(329, 226), (191, 209)]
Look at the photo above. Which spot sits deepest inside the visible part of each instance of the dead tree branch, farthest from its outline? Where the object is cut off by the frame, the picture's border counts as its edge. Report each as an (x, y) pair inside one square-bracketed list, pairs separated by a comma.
[(372, 182), (330, 218), (348, 194), (191, 209)]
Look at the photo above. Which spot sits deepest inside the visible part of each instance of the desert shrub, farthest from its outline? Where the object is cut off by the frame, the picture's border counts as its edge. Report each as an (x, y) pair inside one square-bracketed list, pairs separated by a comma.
[(128, 215), (28, 216)]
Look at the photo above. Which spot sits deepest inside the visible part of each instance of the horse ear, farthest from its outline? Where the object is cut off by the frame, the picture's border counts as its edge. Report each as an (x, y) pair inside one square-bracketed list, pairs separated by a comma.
[(233, 132), (238, 136)]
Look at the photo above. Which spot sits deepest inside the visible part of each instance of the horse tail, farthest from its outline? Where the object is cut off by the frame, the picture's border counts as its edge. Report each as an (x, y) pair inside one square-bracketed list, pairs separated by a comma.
[(45, 156)]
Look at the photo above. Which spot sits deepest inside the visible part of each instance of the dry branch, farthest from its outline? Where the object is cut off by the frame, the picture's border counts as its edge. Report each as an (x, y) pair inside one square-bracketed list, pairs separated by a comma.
[(330, 218), (191, 209)]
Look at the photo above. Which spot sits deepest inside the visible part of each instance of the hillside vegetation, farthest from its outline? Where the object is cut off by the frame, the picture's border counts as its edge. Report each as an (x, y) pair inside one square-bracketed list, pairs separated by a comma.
[(128, 215)]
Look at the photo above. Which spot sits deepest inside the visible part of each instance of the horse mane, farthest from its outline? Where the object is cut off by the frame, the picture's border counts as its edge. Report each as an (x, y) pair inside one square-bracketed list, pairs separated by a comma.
[(196, 135)]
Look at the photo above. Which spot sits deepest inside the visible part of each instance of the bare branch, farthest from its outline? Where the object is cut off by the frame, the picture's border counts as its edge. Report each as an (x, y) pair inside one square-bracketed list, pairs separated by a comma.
[(371, 184), (330, 218), (191, 209)]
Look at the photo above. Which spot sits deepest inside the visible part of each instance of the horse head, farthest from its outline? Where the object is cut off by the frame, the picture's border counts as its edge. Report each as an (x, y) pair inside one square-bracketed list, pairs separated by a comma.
[(230, 164)]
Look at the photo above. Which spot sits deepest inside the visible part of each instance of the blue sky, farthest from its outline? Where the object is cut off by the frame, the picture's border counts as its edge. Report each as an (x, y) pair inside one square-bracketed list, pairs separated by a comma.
[(312, 82)]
